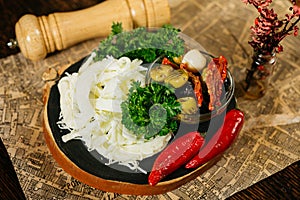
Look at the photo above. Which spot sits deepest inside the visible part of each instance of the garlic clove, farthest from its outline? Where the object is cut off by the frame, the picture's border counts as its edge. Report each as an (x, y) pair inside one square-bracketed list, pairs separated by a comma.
[(195, 60)]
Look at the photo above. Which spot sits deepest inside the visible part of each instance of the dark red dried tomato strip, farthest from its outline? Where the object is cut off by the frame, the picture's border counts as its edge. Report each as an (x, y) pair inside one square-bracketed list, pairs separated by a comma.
[(214, 85), (166, 61), (221, 64), (197, 84)]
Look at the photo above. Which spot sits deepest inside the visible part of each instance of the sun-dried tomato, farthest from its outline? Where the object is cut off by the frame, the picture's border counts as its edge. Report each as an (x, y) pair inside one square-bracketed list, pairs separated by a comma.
[(221, 64), (166, 61), (214, 85), (197, 88), (197, 84)]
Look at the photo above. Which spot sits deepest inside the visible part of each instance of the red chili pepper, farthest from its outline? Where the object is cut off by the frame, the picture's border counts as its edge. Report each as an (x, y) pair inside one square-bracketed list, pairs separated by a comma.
[(222, 139), (175, 155)]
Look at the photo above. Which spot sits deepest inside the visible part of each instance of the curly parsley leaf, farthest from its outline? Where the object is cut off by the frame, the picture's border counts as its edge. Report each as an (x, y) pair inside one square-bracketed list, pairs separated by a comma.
[(150, 110), (141, 43), (116, 28)]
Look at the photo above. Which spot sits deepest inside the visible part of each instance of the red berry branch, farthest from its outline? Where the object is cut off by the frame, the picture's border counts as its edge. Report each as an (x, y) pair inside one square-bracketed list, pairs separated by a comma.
[(267, 33), (268, 30)]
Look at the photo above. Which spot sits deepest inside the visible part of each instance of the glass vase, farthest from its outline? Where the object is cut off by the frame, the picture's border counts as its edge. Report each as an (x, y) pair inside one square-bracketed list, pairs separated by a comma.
[(258, 76)]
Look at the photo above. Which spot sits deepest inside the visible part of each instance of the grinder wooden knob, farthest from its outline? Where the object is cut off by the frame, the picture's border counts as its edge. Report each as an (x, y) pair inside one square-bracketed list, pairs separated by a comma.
[(38, 36)]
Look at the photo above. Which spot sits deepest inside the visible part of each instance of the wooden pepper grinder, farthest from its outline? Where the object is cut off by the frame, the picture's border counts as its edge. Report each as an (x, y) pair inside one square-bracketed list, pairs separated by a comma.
[(38, 36)]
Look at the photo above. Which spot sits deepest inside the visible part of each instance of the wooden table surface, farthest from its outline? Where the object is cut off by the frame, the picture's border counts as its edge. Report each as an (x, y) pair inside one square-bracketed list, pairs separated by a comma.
[(282, 185)]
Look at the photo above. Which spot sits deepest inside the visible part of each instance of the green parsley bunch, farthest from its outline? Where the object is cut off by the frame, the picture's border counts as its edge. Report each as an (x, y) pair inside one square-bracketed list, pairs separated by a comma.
[(141, 43), (150, 110)]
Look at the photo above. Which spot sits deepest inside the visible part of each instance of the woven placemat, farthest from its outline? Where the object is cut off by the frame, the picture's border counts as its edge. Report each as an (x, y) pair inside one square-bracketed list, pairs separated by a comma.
[(269, 141)]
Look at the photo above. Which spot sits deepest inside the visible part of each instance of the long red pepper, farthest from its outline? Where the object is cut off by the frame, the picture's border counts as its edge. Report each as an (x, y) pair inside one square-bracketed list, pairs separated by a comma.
[(222, 139), (175, 155)]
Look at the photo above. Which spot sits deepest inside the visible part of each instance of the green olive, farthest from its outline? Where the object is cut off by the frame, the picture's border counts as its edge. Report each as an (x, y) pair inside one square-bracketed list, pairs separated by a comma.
[(160, 73), (188, 105), (177, 78), (177, 60)]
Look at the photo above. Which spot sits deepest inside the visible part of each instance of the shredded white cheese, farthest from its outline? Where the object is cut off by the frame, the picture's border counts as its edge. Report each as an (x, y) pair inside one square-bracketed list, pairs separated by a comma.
[(90, 109)]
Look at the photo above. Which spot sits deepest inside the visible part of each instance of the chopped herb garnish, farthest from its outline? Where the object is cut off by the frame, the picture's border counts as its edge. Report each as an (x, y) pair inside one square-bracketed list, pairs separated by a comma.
[(141, 43), (150, 110)]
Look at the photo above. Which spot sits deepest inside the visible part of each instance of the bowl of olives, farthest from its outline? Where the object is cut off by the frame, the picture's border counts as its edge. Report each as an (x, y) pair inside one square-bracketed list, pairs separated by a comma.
[(201, 82)]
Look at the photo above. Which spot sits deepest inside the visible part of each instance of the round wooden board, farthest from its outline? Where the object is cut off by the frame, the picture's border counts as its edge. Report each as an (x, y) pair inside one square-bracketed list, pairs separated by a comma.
[(74, 158), (117, 186)]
